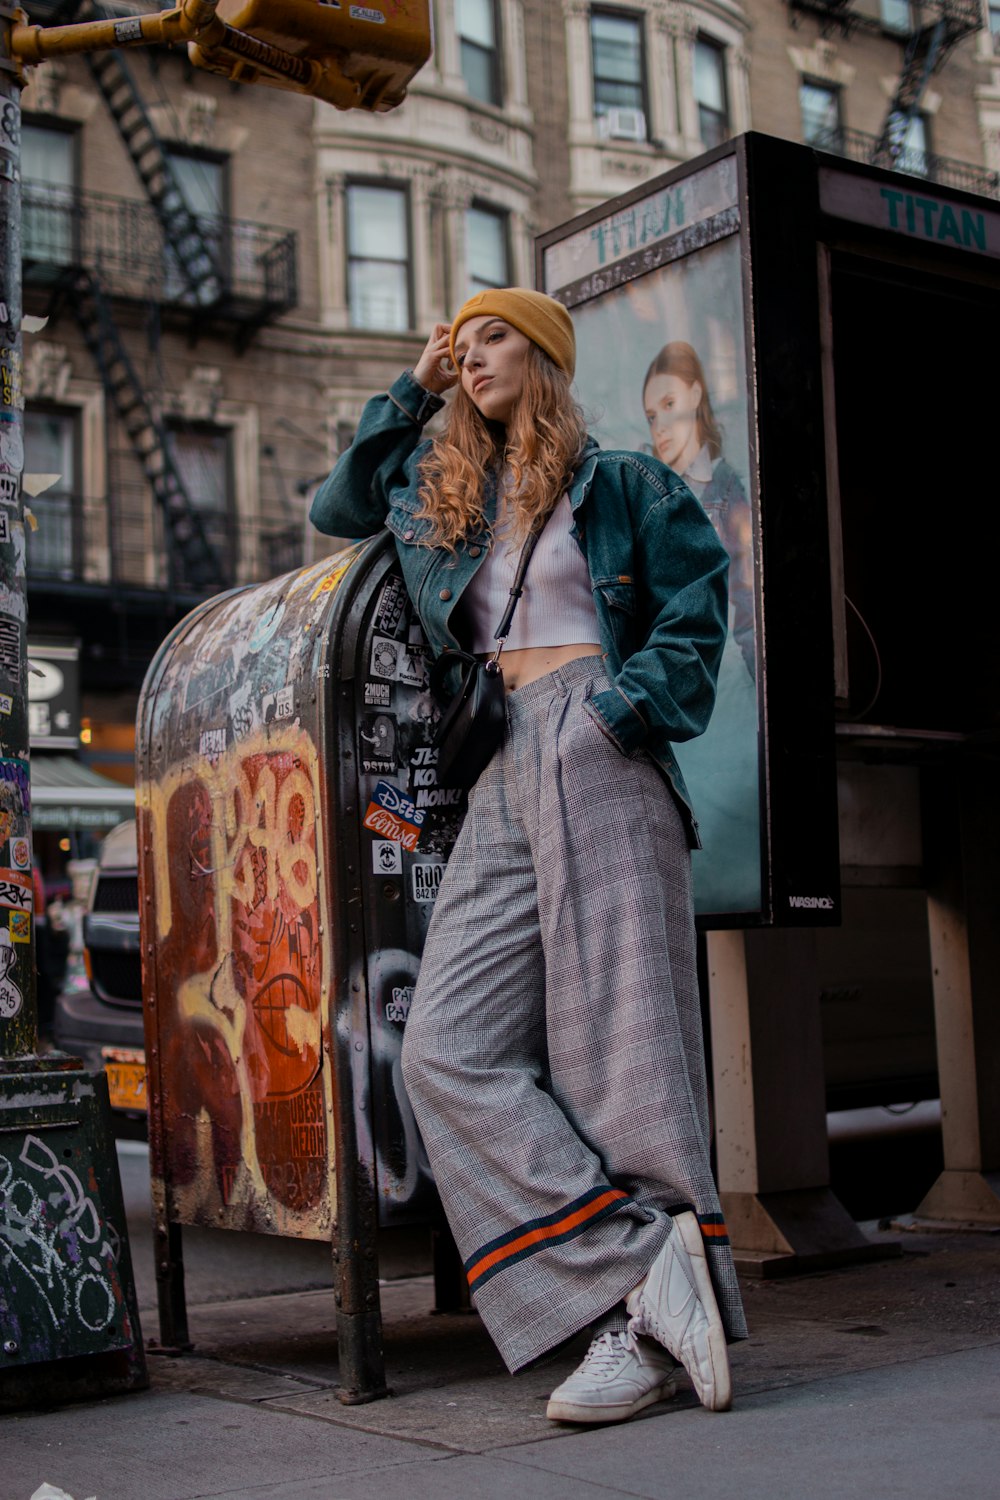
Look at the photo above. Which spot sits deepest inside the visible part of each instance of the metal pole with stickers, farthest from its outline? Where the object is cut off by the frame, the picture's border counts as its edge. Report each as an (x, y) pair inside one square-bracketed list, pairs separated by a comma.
[(18, 1025), (68, 1317), (292, 838)]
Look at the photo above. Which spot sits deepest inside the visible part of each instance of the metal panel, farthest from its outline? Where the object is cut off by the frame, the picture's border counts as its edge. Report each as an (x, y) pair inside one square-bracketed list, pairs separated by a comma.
[(385, 758), (66, 1290)]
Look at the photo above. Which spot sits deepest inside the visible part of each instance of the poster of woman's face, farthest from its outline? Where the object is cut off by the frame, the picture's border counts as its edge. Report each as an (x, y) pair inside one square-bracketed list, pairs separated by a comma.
[(662, 368)]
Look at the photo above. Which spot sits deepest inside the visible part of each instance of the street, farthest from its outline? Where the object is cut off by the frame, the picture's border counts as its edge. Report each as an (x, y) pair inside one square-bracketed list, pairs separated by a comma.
[(883, 1375)]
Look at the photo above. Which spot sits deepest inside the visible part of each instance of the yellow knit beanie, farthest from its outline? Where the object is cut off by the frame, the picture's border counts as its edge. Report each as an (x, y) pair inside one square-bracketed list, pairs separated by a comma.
[(542, 319)]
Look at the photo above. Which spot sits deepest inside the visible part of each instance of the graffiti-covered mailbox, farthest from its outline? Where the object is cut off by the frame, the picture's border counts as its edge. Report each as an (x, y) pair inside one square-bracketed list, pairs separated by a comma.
[(292, 836)]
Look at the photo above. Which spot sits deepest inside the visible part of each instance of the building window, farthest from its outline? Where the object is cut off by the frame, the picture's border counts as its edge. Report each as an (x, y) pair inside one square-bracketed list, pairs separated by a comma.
[(914, 156), (50, 209), (477, 35), (895, 15), (710, 92), (204, 184), (51, 446), (616, 44), (994, 18), (203, 459), (488, 258), (821, 122), (378, 257)]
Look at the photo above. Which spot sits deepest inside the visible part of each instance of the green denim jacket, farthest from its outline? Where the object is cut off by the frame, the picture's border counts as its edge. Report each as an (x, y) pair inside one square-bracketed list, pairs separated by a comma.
[(657, 569)]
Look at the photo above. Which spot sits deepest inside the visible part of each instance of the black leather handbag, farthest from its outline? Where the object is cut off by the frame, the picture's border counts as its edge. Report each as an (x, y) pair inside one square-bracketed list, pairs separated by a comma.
[(472, 721)]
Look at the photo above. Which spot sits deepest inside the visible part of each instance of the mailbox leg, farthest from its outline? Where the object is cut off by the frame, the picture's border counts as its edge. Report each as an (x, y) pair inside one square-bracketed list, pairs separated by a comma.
[(170, 1297), (362, 1360), (359, 1309), (962, 830)]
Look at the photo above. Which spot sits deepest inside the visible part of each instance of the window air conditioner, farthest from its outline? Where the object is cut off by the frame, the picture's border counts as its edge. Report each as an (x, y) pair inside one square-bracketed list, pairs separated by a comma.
[(622, 125)]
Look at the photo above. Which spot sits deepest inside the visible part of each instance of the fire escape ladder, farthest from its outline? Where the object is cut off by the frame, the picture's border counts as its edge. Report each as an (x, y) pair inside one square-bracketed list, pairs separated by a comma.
[(928, 46), (195, 258), (193, 562), (192, 250)]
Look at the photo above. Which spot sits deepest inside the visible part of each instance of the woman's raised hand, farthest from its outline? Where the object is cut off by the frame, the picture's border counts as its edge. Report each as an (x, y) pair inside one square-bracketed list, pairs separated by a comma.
[(434, 369)]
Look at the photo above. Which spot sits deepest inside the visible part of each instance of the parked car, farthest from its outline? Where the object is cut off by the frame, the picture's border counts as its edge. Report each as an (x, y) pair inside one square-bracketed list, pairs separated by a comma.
[(101, 1021)]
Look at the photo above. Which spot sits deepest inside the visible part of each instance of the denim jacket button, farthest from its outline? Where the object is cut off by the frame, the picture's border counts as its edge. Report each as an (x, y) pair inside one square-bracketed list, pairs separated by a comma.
[(475, 551), (408, 536), (445, 595)]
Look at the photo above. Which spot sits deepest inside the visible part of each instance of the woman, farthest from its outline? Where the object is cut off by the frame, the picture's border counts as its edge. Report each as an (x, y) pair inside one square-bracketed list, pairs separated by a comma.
[(685, 435), (721, 770), (553, 1053)]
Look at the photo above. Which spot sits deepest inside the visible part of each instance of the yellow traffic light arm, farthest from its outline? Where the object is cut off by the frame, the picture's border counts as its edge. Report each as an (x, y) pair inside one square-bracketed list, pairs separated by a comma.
[(35, 44), (215, 46)]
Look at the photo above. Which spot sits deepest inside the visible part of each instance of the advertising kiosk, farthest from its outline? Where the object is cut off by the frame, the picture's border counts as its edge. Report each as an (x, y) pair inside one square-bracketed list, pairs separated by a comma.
[(798, 334)]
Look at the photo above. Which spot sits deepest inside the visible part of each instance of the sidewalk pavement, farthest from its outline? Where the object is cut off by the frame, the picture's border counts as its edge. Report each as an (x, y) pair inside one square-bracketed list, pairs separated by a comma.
[(881, 1378)]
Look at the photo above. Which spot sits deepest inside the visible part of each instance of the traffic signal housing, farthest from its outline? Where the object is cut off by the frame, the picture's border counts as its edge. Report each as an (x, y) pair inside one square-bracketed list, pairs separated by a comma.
[(354, 56)]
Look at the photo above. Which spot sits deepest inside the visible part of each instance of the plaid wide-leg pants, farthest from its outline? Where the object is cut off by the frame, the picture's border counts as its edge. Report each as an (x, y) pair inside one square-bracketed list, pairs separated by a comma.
[(553, 1052)]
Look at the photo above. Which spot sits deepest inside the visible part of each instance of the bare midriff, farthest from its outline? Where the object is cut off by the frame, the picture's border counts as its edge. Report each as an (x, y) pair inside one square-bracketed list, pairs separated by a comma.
[(531, 662)]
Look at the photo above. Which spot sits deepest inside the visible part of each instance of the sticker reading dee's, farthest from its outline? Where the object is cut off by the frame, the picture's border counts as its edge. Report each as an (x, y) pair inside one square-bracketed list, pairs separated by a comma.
[(392, 815)]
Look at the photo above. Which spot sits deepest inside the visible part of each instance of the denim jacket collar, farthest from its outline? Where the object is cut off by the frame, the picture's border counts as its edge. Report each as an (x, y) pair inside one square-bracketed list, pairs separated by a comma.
[(584, 475)]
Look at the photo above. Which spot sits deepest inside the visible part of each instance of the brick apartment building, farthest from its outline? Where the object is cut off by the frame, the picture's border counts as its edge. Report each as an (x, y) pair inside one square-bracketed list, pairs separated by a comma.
[(228, 273)]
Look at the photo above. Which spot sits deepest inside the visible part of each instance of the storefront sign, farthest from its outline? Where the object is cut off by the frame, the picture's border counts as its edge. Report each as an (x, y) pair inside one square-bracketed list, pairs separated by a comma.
[(54, 696), (910, 210), (667, 223)]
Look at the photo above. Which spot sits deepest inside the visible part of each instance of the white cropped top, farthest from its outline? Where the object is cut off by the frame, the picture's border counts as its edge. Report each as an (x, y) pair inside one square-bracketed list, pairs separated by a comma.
[(557, 606)]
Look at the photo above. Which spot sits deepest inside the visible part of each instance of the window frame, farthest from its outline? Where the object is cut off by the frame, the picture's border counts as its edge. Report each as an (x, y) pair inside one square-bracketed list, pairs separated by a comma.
[(891, 27), (69, 488), (808, 80), (638, 20), (721, 50), (502, 216), (226, 519), (180, 151), (72, 204), (926, 150), (495, 53), (390, 185), (216, 228)]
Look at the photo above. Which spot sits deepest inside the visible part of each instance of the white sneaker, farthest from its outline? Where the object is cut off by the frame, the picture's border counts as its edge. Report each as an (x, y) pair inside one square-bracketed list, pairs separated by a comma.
[(618, 1377), (676, 1306)]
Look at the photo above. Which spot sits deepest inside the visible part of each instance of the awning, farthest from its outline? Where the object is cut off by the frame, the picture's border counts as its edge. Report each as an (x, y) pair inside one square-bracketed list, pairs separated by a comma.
[(66, 795)]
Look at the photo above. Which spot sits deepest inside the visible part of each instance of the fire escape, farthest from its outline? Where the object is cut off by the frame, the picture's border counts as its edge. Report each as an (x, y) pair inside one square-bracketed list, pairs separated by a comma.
[(96, 255), (934, 28)]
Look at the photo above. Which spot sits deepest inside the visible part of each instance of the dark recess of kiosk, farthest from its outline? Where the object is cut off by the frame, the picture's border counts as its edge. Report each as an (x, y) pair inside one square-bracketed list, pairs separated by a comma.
[(916, 410)]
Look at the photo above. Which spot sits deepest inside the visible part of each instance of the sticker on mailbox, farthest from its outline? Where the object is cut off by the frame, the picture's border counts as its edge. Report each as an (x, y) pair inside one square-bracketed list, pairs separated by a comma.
[(392, 815), (387, 857), (426, 880)]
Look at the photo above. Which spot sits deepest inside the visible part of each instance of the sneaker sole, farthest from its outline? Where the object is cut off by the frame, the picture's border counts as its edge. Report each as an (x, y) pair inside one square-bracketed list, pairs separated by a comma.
[(722, 1393), (568, 1411)]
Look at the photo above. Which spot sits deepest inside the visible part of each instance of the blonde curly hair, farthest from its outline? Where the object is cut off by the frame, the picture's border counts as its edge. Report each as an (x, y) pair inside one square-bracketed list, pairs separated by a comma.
[(541, 446)]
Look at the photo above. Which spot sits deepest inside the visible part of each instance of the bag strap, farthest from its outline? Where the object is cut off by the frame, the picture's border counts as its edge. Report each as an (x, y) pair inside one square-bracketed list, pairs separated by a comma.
[(516, 590), (443, 664)]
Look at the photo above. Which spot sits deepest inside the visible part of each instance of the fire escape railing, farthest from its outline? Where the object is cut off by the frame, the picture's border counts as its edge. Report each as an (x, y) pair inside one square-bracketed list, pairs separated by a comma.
[(928, 32), (937, 26), (945, 171), (124, 241), (92, 251), (120, 542)]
